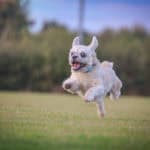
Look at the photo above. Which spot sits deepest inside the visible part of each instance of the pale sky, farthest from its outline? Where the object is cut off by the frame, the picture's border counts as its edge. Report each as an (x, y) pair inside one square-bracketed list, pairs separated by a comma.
[(99, 14)]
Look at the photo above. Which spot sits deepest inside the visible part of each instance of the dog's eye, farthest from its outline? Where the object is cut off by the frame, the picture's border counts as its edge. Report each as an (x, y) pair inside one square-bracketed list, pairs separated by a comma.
[(83, 54)]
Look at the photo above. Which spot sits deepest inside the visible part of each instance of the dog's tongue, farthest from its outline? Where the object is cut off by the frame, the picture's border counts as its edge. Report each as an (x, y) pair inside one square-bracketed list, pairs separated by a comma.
[(76, 66)]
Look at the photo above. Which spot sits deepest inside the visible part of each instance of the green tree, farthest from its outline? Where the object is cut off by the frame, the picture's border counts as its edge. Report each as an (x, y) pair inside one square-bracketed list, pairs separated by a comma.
[(13, 18)]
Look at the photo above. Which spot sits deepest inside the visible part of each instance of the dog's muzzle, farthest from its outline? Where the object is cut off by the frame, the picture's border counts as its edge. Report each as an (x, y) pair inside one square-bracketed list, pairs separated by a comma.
[(77, 65)]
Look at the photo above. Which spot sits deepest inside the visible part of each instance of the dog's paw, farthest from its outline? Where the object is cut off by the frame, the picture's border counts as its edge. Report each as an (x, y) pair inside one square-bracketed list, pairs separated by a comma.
[(66, 86), (89, 97), (101, 115)]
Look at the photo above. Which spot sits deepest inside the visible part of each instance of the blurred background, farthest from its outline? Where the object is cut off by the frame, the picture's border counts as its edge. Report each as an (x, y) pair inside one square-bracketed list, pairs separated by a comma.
[(36, 35)]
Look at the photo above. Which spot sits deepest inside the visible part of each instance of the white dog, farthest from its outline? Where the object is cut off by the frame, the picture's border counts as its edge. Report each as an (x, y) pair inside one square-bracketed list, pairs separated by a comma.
[(90, 78)]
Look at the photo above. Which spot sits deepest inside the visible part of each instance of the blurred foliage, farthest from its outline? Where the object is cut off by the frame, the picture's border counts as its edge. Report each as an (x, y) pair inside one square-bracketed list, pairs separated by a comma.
[(13, 18), (39, 62)]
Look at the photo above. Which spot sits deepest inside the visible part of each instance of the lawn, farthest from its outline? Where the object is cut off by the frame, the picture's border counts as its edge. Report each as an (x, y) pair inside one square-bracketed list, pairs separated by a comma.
[(40, 121)]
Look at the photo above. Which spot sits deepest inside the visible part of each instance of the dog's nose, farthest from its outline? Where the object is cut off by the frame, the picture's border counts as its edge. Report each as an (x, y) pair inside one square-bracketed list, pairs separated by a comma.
[(74, 57)]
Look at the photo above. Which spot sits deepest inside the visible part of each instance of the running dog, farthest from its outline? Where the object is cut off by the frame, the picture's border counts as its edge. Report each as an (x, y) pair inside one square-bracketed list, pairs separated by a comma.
[(90, 78)]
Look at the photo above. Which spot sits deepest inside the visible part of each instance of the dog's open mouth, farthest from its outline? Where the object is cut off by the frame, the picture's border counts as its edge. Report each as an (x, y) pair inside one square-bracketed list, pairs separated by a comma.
[(77, 65)]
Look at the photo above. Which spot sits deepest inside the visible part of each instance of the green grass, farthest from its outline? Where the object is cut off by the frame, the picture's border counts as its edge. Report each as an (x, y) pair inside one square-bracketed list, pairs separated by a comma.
[(34, 121)]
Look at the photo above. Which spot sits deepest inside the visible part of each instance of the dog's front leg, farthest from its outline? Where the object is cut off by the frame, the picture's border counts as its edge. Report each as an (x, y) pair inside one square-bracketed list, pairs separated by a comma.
[(97, 94), (100, 107), (71, 85), (93, 93)]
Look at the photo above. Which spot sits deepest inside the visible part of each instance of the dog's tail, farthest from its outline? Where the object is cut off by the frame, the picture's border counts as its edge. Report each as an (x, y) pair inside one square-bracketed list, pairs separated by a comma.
[(107, 64)]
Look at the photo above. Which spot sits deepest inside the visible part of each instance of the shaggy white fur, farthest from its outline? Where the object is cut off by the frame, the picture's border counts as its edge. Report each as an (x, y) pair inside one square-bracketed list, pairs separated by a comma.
[(90, 78)]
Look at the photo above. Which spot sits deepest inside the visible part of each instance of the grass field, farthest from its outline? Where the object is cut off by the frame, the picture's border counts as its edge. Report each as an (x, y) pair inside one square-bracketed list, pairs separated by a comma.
[(34, 121)]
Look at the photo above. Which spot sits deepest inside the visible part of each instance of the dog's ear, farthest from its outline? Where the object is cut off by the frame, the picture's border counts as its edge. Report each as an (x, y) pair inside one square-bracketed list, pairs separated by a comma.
[(94, 43), (76, 41)]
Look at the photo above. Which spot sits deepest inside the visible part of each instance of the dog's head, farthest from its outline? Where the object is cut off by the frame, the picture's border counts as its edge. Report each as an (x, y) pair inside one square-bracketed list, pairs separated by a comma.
[(82, 57)]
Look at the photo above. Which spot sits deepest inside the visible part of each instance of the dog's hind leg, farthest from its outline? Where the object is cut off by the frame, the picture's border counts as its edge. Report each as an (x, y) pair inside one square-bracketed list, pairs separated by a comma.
[(115, 91)]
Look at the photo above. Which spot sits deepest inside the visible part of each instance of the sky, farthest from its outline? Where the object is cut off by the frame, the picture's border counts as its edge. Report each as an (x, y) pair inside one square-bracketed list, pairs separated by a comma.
[(98, 14)]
